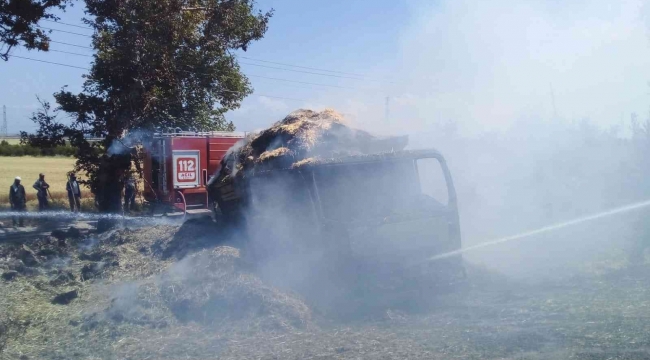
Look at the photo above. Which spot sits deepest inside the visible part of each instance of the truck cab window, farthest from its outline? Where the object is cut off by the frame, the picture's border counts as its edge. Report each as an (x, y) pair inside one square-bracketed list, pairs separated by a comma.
[(432, 180)]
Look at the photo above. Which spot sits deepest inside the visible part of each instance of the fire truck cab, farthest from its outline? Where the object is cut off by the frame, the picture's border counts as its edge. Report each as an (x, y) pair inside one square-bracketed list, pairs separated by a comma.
[(178, 166)]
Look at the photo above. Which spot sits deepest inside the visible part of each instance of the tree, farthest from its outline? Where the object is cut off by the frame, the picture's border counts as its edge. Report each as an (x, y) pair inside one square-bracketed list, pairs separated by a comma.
[(50, 133), (158, 64), (19, 24)]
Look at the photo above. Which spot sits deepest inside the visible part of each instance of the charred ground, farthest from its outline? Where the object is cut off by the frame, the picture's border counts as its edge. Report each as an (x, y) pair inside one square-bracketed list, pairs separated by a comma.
[(166, 292)]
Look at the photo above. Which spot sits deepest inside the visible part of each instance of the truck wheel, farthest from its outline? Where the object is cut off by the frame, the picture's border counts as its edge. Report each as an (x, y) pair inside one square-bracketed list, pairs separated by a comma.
[(184, 202)]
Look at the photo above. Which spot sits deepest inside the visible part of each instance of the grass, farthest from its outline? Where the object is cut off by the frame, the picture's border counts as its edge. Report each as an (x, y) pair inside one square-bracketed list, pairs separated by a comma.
[(55, 169)]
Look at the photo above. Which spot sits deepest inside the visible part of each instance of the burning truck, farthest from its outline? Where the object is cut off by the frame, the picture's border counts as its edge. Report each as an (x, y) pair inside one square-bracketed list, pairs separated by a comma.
[(311, 186)]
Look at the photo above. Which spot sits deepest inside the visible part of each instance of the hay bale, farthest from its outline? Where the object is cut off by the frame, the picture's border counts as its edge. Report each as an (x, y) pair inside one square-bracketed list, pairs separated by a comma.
[(273, 154), (303, 134)]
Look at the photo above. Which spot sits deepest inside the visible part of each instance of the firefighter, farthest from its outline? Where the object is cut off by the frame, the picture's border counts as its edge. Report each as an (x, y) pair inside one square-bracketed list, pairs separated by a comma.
[(74, 193), (129, 194), (17, 200), (42, 189)]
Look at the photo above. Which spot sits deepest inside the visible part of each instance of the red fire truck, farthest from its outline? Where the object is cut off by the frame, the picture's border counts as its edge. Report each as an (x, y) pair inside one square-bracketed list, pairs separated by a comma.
[(178, 166)]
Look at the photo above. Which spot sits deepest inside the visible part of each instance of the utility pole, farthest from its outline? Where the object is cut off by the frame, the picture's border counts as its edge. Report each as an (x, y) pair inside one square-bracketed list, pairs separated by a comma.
[(3, 129)]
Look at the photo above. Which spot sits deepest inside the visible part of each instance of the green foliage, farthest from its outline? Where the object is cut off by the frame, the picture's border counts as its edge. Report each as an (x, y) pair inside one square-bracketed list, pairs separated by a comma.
[(19, 24), (7, 149), (164, 64), (49, 140), (158, 64), (50, 133)]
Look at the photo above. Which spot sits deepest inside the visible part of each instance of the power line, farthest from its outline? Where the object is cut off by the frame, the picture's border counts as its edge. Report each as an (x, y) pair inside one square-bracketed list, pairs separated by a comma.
[(283, 98), (284, 80), (270, 78), (49, 62), (66, 32), (358, 76), (78, 67), (302, 67), (66, 24), (63, 43), (303, 82), (363, 77), (307, 72), (294, 86), (69, 53), (259, 76)]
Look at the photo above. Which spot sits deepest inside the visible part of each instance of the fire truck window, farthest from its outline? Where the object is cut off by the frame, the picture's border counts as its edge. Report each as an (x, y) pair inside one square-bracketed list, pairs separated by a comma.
[(432, 180)]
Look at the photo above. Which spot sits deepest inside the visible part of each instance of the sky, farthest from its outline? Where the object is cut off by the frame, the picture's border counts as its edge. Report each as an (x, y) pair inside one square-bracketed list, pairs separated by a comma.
[(484, 66)]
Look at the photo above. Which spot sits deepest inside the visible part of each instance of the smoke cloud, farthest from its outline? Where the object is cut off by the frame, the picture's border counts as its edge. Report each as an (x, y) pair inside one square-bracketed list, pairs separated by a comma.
[(531, 105), (487, 65)]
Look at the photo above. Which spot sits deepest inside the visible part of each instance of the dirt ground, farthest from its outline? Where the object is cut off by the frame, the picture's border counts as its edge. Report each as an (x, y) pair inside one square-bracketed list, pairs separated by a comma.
[(164, 292)]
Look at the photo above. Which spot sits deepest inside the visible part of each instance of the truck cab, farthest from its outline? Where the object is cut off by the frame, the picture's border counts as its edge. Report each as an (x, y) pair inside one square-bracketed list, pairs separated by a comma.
[(393, 210)]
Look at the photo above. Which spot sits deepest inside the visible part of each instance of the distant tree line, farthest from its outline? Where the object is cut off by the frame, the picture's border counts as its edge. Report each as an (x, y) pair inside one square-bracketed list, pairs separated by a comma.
[(7, 149)]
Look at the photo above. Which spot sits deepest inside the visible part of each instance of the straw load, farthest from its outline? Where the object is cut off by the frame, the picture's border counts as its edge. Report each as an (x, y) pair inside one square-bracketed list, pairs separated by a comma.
[(304, 136)]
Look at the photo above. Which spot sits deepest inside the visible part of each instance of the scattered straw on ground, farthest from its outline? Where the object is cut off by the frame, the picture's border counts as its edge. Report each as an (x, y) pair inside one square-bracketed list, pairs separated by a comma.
[(212, 305), (131, 293)]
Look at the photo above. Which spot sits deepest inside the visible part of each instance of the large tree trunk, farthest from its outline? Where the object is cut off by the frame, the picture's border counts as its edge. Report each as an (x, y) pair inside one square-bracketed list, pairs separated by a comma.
[(110, 182)]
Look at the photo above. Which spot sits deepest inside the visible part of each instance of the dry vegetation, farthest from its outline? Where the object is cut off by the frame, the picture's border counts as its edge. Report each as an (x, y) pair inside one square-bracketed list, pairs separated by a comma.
[(55, 169), (13, 141), (136, 301), (126, 288), (308, 134)]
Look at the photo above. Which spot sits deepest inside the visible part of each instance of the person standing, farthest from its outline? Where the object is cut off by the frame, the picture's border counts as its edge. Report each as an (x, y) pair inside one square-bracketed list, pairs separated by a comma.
[(74, 193), (42, 189), (17, 200), (129, 194)]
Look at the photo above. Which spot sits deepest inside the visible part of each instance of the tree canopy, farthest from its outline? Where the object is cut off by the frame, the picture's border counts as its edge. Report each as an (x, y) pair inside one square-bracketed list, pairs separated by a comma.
[(19, 24), (164, 63), (158, 64)]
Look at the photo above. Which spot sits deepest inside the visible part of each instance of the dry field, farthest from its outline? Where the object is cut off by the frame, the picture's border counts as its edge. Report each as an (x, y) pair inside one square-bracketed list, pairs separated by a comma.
[(28, 168), (12, 141)]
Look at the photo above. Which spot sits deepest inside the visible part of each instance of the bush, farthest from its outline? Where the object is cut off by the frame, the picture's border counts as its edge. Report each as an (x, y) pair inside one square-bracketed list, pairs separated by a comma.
[(7, 149)]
